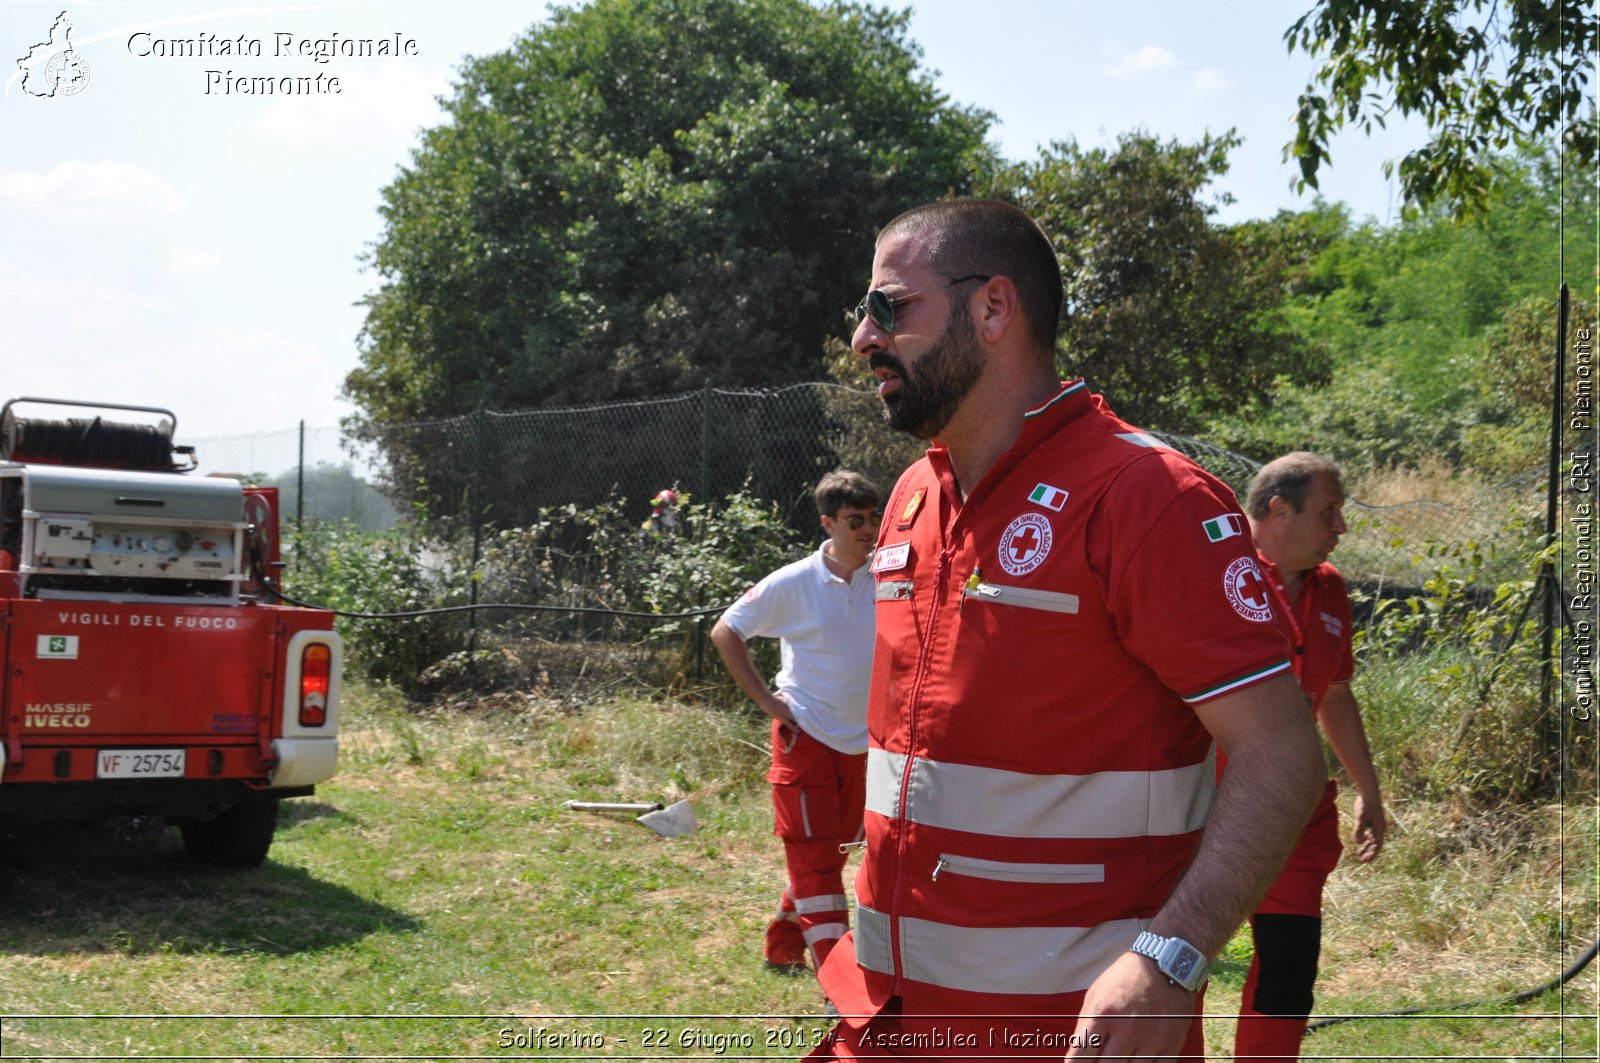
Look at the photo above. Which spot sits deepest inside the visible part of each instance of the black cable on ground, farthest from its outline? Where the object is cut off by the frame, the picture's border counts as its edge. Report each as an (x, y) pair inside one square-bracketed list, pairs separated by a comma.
[(1516, 998), (442, 609)]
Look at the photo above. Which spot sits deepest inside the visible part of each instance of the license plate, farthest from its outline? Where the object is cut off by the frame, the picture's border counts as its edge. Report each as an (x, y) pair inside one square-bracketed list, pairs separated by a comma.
[(139, 764)]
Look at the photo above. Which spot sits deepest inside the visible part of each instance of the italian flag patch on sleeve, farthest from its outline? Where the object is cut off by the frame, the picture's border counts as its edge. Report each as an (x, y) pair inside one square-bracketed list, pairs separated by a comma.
[(1224, 527), (1052, 498)]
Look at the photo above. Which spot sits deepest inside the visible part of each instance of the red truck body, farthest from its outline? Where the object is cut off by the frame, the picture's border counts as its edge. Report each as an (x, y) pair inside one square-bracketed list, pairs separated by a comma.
[(149, 670)]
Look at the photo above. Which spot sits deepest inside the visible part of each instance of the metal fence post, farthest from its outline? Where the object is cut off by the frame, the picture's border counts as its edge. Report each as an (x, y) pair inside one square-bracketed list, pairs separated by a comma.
[(477, 524), (1548, 585), (300, 484), (705, 444)]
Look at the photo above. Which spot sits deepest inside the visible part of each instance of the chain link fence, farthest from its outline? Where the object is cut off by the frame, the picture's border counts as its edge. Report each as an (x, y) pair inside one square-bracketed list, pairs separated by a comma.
[(489, 489), (495, 469)]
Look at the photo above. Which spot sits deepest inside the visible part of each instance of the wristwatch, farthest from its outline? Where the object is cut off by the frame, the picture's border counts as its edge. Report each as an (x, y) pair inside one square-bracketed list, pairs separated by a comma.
[(1181, 962)]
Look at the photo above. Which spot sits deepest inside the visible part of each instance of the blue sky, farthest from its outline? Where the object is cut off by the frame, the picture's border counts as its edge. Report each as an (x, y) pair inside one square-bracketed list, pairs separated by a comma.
[(200, 251)]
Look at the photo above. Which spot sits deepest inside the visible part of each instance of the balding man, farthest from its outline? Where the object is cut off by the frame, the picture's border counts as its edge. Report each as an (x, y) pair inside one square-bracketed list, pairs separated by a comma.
[(1296, 511)]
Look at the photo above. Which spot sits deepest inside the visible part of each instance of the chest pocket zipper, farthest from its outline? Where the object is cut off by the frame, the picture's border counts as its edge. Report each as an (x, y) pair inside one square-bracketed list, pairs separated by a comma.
[(1024, 597), (1007, 871)]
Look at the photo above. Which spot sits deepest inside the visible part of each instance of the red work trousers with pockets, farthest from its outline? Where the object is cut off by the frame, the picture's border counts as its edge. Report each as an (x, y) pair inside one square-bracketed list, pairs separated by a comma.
[(1287, 931), (818, 795)]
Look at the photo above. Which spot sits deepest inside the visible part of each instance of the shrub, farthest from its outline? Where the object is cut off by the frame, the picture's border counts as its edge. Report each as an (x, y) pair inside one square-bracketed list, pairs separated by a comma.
[(1451, 684), (337, 565), (574, 571)]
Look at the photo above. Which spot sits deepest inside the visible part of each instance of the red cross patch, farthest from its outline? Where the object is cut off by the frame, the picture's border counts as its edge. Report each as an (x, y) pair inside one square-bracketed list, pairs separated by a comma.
[(1025, 544), (1247, 590)]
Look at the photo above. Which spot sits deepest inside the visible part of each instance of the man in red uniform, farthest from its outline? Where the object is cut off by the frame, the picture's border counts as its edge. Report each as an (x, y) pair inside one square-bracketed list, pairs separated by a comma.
[(1295, 508), (1050, 863)]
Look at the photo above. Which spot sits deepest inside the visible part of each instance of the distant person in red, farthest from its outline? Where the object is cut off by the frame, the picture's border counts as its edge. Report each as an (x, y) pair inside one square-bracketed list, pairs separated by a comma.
[(663, 519), (1295, 509)]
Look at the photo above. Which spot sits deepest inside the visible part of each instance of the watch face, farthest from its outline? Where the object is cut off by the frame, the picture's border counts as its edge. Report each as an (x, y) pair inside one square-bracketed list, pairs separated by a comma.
[(1183, 964)]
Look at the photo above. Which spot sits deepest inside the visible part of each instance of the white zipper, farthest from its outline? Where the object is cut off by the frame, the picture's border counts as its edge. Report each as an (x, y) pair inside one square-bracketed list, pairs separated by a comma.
[(1007, 871), (1025, 597)]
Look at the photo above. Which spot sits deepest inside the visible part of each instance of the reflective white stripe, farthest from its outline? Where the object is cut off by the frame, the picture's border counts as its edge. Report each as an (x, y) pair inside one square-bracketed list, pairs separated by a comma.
[(1012, 804), (1025, 597), (892, 590), (1015, 960), (1141, 439), (834, 902), (1011, 871), (824, 932), (805, 811)]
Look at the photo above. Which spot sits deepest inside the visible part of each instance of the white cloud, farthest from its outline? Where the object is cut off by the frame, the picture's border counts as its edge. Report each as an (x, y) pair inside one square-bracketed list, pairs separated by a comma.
[(187, 260), (217, 380), (1210, 80), (85, 189), (1150, 57), (85, 301), (392, 99)]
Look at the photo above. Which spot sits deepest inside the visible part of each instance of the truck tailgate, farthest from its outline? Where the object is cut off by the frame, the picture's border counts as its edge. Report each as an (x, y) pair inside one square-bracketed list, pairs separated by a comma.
[(93, 672)]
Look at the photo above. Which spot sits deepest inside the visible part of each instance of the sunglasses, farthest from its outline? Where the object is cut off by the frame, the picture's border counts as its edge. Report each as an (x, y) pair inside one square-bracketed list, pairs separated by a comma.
[(855, 520), (879, 305)]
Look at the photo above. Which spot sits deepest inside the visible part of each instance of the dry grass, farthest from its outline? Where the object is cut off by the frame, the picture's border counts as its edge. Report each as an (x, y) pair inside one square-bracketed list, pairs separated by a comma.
[(1459, 907), (1432, 479)]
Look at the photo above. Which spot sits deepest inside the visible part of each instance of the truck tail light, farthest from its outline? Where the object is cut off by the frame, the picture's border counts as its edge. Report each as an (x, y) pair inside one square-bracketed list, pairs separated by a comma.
[(316, 662)]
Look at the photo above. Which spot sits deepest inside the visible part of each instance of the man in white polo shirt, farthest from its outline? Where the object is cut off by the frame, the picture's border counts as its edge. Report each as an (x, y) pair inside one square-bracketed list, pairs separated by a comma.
[(821, 611)]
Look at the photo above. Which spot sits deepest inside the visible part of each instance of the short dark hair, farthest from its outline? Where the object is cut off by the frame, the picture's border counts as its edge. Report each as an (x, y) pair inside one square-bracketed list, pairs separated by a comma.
[(991, 238), (841, 488), (1288, 478)]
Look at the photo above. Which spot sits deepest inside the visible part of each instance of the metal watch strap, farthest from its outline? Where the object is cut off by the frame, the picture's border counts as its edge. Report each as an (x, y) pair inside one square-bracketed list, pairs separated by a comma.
[(1182, 963)]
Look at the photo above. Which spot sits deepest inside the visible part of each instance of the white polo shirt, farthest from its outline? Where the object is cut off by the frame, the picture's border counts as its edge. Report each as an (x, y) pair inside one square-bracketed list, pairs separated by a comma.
[(825, 630)]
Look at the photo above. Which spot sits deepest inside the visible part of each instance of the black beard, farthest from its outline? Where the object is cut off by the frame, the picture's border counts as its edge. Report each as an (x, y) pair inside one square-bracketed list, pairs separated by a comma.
[(946, 372)]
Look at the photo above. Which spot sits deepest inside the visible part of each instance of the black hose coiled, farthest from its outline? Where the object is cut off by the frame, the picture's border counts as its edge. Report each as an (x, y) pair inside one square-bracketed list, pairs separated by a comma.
[(90, 441)]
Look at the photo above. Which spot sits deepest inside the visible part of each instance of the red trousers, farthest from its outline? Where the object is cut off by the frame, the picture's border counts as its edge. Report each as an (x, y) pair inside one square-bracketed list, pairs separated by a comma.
[(1287, 931), (818, 795)]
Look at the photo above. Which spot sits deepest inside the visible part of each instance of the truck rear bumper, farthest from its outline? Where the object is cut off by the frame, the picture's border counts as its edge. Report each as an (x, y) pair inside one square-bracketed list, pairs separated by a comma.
[(302, 761)]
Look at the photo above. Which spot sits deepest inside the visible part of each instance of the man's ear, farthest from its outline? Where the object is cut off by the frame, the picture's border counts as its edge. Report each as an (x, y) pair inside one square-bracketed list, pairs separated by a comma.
[(998, 310)]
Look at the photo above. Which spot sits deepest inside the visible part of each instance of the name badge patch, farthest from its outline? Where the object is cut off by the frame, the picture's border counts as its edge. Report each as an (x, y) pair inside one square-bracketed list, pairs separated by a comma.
[(891, 558)]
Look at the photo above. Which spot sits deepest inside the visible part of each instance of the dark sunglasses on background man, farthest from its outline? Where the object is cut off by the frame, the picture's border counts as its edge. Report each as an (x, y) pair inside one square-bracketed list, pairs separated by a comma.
[(880, 305), (855, 520)]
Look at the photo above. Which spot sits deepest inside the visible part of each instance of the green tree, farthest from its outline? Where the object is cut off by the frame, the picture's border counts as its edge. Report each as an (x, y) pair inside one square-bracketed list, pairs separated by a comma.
[(1431, 325), (641, 196), (1172, 316), (1484, 74)]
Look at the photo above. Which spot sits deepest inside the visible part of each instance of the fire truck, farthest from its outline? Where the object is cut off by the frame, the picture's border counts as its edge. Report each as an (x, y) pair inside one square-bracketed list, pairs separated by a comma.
[(150, 669)]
